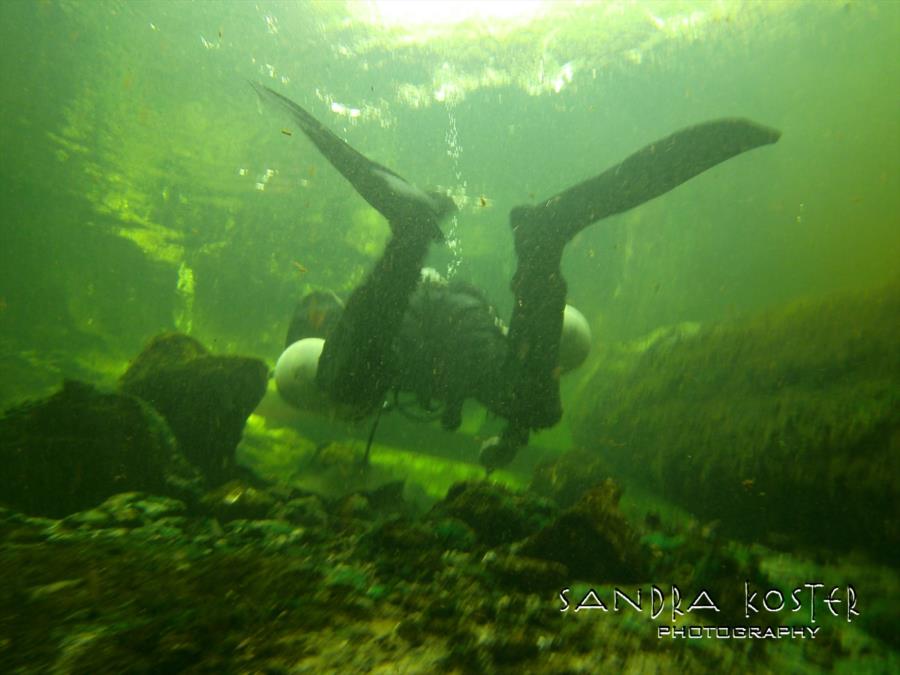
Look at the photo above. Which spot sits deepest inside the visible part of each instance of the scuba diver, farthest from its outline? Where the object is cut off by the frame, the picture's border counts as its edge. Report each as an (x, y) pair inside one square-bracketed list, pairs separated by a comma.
[(405, 330)]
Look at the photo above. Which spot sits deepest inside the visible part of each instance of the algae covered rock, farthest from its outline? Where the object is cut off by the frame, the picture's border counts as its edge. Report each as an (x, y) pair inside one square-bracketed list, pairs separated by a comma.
[(138, 508), (399, 537), (569, 476), (71, 451), (496, 514), (236, 500), (205, 398), (526, 574), (179, 409), (591, 539), (308, 511), (787, 422), (153, 514)]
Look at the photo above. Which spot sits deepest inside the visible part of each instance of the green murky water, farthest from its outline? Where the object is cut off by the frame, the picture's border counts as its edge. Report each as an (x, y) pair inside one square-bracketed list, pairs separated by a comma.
[(144, 190)]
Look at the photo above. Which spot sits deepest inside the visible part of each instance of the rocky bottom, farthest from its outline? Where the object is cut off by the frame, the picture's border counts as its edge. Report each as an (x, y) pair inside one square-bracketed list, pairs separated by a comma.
[(269, 580)]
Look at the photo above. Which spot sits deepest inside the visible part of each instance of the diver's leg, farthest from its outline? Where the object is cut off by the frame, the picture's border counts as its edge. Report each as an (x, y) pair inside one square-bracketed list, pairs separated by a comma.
[(531, 371), (534, 331), (648, 173), (404, 205), (541, 233), (356, 366)]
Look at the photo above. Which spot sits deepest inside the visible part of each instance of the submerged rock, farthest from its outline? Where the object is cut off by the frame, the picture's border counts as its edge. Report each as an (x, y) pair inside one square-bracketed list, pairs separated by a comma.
[(267, 535), (526, 574), (129, 510), (71, 451), (496, 514), (157, 591), (308, 511), (591, 539), (236, 500), (205, 398), (569, 476), (784, 424), (136, 508)]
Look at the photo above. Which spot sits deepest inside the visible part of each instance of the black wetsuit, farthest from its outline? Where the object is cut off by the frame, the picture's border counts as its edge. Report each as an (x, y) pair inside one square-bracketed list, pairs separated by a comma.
[(359, 362), (451, 346)]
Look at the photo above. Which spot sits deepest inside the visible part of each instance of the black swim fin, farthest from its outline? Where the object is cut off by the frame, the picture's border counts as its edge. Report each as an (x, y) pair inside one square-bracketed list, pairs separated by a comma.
[(405, 206), (648, 173)]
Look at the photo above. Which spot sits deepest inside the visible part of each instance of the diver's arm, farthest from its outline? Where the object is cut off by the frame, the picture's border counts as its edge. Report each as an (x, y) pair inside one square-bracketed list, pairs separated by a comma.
[(357, 365)]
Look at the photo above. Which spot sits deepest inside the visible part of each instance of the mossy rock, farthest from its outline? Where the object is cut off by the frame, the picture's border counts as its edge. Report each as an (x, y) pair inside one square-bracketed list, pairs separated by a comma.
[(71, 451), (527, 574), (566, 478), (787, 422), (591, 539), (205, 398), (496, 514), (236, 500)]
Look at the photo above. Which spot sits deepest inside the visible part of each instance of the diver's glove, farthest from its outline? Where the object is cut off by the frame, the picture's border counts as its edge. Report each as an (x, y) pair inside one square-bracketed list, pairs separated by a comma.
[(499, 451)]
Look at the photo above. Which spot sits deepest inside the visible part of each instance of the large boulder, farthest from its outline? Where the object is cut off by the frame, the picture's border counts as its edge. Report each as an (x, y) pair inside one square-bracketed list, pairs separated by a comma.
[(592, 539), (565, 478), (74, 449), (495, 513), (785, 426), (205, 398)]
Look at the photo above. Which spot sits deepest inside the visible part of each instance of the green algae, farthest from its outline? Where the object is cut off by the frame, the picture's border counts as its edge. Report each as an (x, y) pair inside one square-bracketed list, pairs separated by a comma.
[(781, 423)]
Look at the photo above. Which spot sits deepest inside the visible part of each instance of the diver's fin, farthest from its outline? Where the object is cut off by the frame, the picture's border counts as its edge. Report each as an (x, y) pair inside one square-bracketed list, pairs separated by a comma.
[(648, 173), (404, 205)]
